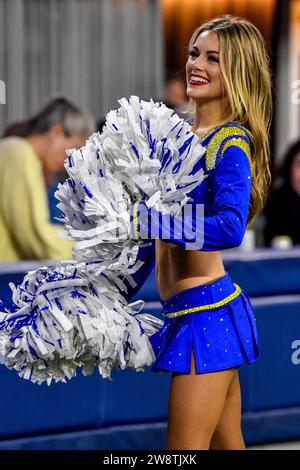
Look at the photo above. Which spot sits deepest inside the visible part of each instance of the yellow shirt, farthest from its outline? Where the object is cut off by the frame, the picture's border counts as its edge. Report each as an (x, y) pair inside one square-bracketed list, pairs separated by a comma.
[(25, 229)]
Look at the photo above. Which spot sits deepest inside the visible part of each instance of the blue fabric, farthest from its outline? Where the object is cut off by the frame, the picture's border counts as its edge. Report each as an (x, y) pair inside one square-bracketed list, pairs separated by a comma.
[(225, 195), (221, 337), (224, 337)]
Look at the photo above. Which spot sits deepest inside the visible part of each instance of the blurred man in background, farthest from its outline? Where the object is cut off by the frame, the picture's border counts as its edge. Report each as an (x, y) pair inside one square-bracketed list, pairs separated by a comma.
[(175, 97), (28, 163)]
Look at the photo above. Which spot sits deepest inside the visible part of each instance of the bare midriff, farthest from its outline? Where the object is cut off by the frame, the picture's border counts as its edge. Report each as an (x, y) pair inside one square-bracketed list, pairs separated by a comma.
[(178, 269)]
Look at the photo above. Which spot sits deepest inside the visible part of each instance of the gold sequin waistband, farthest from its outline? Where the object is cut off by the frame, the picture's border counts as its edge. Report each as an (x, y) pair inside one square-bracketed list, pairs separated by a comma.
[(207, 306), (135, 218)]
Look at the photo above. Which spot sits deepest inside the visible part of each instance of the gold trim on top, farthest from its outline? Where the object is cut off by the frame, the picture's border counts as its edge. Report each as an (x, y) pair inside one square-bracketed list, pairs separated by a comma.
[(207, 306), (135, 218), (236, 138)]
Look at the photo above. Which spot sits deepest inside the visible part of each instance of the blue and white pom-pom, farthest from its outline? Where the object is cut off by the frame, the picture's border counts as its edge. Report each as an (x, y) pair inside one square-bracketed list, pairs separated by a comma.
[(76, 315), (66, 317), (144, 151)]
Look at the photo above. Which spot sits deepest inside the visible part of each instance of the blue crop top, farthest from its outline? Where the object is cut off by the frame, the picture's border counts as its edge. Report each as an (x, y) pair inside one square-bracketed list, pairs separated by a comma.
[(224, 193)]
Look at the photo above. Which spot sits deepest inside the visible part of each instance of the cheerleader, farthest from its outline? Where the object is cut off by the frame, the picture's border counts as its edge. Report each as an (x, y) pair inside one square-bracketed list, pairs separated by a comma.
[(209, 328)]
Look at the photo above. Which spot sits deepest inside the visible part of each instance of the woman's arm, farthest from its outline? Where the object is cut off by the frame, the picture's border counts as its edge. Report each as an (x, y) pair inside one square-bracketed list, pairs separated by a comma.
[(231, 187)]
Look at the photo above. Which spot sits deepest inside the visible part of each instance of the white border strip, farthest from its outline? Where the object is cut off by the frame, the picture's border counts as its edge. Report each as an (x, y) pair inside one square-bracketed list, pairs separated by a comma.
[(25, 266), (261, 254), (275, 299), (255, 301)]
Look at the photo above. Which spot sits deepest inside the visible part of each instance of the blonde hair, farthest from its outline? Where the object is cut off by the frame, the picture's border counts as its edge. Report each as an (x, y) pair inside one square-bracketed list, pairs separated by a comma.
[(246, 78)]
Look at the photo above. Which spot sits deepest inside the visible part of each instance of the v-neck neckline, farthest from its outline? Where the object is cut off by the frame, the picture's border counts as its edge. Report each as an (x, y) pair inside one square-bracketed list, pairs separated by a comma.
[(202, 139)]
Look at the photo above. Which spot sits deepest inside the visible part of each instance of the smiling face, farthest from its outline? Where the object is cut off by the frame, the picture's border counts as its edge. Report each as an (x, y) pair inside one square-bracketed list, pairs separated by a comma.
[(203, 61)]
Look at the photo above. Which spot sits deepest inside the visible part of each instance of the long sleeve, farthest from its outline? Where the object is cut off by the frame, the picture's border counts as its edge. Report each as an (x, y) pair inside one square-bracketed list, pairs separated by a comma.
[(24, 214), (225, 225), (146, 254)]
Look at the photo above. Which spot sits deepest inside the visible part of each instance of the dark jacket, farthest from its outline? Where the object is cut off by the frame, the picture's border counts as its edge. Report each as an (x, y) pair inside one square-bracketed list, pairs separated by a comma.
[(282, 214)]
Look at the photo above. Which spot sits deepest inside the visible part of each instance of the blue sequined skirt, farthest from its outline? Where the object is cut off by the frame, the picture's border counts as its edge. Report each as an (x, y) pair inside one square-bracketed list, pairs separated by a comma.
[(216, 319)]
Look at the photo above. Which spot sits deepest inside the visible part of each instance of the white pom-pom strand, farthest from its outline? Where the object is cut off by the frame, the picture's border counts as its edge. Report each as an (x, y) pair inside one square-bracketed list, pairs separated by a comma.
[(64, 318)]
